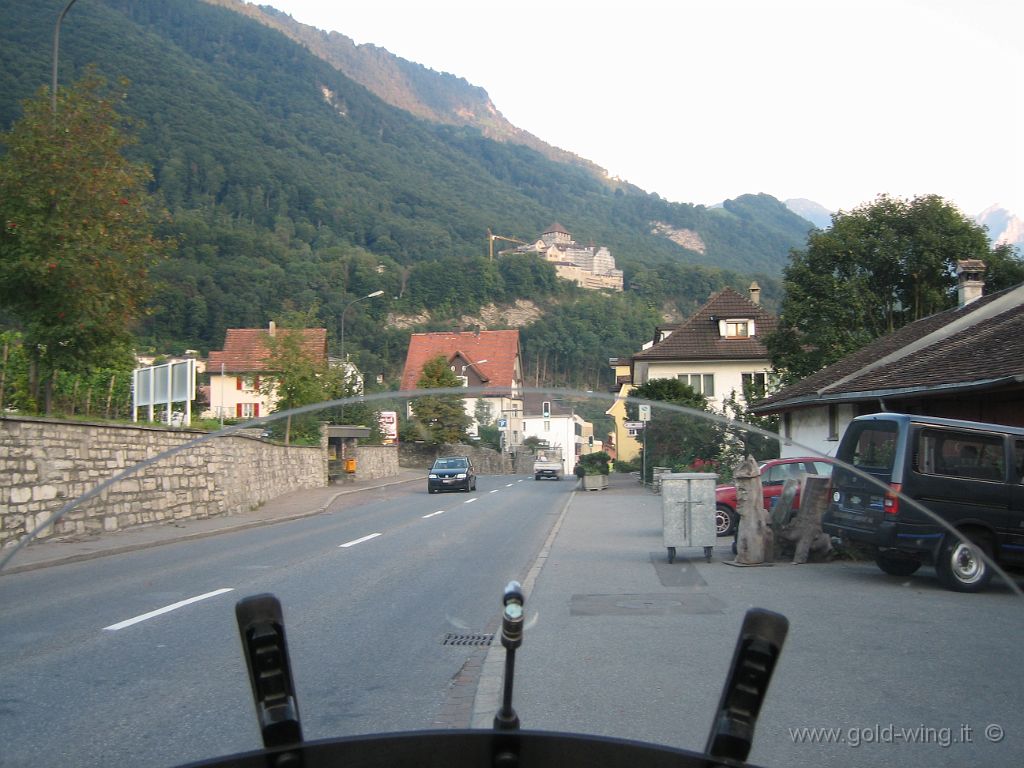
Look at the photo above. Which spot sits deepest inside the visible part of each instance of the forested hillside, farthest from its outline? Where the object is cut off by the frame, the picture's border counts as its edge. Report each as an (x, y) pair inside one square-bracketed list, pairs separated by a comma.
[(291, 185)]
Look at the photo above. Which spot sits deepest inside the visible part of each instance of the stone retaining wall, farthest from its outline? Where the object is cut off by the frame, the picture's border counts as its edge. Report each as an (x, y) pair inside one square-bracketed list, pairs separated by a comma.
[(376, 461), (486, 461), (44, 464)]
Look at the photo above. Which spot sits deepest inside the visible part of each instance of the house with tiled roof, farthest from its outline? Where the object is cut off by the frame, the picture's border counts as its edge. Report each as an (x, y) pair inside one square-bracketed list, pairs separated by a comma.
[(719, 351), (239, 371), (963, 363), (490, 360)]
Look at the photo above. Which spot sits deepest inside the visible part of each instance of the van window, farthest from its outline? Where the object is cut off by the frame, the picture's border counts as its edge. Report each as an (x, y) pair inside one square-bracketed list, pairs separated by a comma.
[(872, 445), (960, 454), (1018, 454)]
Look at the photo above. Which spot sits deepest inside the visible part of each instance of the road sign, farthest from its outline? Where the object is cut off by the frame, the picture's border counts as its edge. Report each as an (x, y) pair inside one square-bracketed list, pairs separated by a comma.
[(502, 423), (645, 412), (633, 424)]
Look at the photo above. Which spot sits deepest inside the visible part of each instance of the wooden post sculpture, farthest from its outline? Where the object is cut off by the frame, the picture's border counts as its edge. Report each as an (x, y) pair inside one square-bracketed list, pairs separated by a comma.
[(805, 528), (754, 540)]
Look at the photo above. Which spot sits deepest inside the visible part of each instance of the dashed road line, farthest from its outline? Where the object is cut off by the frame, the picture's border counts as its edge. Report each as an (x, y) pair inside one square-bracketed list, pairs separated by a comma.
[(166, 609), (352, 543)]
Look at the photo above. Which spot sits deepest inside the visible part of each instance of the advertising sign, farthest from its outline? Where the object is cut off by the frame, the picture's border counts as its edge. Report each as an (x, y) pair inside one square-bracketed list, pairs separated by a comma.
[(389, 427)]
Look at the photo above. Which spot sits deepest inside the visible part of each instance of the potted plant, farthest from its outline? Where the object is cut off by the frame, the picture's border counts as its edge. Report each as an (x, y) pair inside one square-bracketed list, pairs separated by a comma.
[(595, 470)]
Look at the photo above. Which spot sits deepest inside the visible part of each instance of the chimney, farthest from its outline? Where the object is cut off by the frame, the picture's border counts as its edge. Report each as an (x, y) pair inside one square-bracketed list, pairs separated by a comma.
[(755, 292), (273, 328), (970, 276)]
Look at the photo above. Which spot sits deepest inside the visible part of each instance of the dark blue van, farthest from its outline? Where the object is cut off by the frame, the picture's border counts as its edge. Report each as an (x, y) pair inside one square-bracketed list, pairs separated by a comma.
[(967, 473)]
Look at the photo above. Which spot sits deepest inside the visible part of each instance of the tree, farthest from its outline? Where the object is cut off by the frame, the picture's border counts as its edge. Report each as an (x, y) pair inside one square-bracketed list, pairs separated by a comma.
[(443, 417), (883, 265), (77, 239), (673, 439), (297, 378)]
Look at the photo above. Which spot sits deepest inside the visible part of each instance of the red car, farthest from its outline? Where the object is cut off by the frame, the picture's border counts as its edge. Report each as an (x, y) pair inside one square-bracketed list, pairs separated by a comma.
[(773, 475)]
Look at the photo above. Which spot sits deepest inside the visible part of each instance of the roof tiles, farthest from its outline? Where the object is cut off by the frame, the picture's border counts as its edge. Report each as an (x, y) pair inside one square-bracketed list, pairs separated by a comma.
[(493, 355), (698, 338), (247, 350)]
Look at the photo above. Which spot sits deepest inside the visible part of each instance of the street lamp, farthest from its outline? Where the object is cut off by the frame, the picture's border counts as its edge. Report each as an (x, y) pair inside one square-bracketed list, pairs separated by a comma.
[(56, 45), (367, 296), (344, 363)]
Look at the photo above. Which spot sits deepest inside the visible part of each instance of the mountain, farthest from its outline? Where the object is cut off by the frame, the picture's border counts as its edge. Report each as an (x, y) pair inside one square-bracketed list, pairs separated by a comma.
[(292, 184), (439, 97), (1003, 226), (817, 214)]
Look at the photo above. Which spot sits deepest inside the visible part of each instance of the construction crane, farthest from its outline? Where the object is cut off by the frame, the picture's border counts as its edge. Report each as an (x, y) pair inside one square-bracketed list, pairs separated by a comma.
[(491, 237)]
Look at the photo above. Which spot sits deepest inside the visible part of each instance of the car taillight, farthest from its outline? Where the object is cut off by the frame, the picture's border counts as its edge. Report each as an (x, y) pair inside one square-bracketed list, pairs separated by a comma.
[(891, 502)]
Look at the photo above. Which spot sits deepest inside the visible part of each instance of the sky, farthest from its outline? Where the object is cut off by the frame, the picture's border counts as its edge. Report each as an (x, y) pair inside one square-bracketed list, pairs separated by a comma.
[(834, 101)]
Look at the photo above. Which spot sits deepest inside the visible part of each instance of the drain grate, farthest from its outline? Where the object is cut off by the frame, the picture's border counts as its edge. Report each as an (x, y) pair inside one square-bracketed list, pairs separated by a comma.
[(476, 639)]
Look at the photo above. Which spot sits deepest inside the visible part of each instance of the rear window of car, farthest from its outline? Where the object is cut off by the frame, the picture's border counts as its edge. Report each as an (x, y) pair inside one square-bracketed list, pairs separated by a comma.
[(870, 446)]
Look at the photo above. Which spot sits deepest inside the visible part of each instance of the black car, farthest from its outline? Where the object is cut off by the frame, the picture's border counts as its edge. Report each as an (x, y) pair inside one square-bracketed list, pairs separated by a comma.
[(451, 473)]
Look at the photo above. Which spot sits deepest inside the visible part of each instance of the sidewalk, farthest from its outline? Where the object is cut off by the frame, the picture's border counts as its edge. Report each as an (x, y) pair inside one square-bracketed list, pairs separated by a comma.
[(290, 506)]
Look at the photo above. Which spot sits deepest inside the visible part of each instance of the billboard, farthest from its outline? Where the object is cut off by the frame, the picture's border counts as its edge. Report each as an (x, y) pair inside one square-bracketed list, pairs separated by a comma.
[(388, 421), (164, 385)]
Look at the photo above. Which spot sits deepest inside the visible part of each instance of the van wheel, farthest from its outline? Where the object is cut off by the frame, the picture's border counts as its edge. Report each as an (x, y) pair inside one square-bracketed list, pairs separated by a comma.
[(725, 520), (897, 565), (960, 566)]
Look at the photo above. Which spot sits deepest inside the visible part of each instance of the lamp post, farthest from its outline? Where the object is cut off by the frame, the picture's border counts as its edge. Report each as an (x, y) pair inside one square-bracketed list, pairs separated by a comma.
[(344, 362), (56, 46), (367, 296)]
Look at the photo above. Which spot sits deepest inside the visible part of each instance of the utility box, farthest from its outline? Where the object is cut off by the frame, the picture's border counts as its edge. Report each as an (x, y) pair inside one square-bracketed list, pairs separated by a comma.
[(688, 511)]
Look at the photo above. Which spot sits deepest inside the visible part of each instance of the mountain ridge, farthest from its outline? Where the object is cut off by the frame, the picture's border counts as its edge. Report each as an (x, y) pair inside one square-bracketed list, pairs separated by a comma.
[(440, 97)]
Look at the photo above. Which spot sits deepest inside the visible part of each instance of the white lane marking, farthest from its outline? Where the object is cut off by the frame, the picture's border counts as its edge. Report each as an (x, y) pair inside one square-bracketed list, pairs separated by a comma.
[(508, 485), (434, 514), (166, 609), (494, 491), (352, 543), (470, 501)]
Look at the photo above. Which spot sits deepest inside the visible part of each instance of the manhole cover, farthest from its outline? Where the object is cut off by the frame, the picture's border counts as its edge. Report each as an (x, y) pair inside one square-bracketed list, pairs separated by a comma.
[(476, 639)]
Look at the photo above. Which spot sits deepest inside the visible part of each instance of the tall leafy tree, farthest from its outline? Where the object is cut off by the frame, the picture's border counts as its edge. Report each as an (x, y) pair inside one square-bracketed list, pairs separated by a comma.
[(442, 417), (877, 268), (675, 439), (77, 233)]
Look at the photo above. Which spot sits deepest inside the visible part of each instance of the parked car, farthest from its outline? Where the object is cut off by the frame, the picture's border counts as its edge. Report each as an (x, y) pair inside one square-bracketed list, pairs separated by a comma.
[(451, 473), (774, 473), (967, 474)]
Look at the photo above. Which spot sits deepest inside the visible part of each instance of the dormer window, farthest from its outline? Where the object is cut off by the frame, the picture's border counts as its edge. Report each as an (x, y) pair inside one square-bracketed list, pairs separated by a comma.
[(736, 329)]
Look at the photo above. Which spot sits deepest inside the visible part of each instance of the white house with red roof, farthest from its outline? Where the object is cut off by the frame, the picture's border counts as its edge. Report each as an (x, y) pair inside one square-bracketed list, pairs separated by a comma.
[(490, 360), (238, 371)]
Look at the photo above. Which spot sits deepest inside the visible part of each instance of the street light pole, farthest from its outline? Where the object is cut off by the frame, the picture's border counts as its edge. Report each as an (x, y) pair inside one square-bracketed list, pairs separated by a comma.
[(56, 46), (344, 362), (367, 296)]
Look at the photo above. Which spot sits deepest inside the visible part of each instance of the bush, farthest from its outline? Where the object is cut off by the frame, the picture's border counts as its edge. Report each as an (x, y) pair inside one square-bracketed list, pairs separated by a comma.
[(595, 463)]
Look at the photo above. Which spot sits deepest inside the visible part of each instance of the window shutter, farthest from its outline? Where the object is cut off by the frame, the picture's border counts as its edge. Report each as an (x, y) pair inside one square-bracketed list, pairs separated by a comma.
[(256, 410), (238, 410), (238, 382)]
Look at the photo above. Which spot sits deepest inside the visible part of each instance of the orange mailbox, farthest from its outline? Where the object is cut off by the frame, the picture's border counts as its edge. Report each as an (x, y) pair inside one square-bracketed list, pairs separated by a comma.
[(350, 465)]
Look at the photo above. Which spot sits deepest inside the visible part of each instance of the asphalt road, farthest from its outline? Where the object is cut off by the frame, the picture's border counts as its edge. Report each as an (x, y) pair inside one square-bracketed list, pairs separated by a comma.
[(135, 659)]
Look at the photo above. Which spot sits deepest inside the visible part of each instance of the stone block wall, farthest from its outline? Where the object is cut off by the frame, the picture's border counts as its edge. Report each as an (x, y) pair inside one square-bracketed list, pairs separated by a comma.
[(45, 464), (486, 461), (376, 461)]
